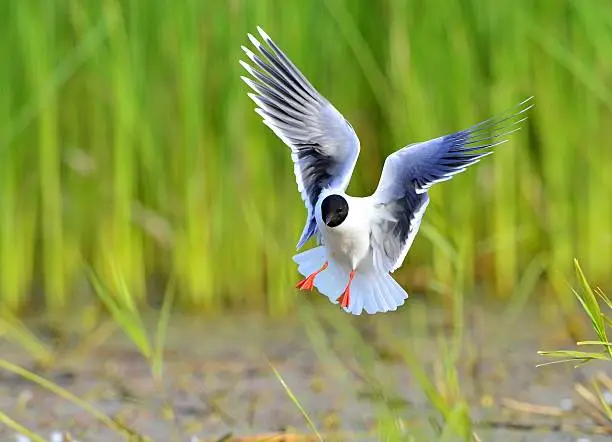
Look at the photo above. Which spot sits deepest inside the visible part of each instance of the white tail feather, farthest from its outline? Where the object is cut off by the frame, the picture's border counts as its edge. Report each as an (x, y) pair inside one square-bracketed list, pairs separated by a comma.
[(372, 292)]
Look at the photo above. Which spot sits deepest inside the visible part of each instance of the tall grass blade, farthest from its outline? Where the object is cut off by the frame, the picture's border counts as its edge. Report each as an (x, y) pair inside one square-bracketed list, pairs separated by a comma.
[(20, 429), (17, 331), (296, 402), (589, 302), (161, 330), (124, 314), (65, 394)]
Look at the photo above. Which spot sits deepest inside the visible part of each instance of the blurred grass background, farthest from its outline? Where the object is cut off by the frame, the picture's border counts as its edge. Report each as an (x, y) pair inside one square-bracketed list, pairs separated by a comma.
[(127, 142)]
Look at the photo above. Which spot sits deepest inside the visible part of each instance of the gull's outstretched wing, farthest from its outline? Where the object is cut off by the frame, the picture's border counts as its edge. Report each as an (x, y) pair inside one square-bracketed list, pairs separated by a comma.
[(324, 146), (401, 196)]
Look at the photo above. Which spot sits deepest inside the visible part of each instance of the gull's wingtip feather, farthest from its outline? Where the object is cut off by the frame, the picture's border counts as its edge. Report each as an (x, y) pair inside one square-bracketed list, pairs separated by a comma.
[(263, 33), (248, 81), (254, 40), (522, 120), (253, 97), (261, 113), (529, 100), (250, 54), (247, 67), (523, 110)]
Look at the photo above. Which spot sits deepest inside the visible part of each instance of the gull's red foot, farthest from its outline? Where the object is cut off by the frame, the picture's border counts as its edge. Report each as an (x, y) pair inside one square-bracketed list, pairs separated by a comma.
[(345, 297), (308, 282)]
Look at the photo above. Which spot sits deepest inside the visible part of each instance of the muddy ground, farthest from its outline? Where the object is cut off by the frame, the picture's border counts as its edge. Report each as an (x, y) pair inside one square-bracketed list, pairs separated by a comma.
[(218, 380)]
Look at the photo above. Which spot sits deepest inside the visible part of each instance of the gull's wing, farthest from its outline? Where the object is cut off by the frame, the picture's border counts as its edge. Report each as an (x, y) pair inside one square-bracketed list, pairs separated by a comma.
[(401, 197), (324, 146)]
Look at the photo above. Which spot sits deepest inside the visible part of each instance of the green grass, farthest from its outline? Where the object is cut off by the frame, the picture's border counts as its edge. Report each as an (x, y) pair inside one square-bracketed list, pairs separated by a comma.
[(590, 301), (601, 323), (126, 137)]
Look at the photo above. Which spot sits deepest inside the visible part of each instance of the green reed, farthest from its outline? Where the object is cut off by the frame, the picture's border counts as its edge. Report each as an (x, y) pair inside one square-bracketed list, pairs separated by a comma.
[(127, 139)]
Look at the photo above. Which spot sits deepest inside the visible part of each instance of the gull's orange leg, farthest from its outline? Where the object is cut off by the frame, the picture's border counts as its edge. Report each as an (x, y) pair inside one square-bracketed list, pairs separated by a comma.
[(308, 282), (345, 297)]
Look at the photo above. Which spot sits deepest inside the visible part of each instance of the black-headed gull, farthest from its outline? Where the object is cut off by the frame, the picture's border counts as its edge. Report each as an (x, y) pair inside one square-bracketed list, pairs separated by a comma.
[(361, 240)]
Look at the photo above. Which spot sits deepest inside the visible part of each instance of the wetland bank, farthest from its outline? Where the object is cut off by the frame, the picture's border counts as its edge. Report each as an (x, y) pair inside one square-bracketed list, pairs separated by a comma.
[(133, 173), (351, 377)]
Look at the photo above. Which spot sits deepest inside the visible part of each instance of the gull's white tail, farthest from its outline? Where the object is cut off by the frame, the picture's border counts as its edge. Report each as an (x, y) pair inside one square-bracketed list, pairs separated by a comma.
[(372, 292)]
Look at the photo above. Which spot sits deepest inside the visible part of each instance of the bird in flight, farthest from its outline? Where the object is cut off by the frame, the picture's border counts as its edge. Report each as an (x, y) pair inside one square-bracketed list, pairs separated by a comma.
[(361, 241)]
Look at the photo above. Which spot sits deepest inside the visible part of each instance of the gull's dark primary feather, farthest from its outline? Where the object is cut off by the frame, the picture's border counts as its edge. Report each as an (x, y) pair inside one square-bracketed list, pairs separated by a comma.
[(401, 196), (324, 146), (438, 160)]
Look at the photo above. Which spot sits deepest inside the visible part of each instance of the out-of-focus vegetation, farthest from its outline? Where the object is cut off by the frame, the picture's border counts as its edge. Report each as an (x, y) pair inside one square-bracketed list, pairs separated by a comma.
[(127, 141)]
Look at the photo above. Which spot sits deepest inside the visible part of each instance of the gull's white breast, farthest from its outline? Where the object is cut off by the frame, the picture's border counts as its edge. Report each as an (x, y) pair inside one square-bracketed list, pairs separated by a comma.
[(349, 243)]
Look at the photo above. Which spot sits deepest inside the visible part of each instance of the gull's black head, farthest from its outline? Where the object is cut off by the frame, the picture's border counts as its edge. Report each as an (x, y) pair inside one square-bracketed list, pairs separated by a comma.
[(334, 210)]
